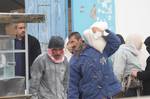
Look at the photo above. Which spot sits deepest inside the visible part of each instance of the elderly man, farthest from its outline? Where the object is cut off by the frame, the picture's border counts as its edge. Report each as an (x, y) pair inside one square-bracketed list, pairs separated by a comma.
[(93, 35), (49, 72), (91, 74)]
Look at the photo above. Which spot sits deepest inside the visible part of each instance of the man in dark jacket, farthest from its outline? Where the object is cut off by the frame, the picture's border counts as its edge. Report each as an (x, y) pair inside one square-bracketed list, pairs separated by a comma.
[(144, 75), (34, 49), (91, 74)]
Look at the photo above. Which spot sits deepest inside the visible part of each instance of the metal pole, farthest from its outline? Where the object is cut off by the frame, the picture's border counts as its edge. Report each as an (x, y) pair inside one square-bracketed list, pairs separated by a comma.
[(27, 64)]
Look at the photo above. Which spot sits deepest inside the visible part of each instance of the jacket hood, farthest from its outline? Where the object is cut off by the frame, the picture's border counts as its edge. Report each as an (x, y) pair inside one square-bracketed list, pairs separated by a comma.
[(131, 48), (135, 40)]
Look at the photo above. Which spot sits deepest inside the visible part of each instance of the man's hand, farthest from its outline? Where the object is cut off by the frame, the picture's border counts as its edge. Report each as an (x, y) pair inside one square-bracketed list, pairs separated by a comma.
[(134, 72)]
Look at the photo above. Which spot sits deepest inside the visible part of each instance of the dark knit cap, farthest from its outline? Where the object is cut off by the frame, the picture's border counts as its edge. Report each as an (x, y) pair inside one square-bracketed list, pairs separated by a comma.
[(147, 41), (56, 42)]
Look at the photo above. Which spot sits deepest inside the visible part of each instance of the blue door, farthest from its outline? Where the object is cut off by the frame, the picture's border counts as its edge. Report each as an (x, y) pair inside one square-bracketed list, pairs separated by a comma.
[(86, 12), (56, 20)]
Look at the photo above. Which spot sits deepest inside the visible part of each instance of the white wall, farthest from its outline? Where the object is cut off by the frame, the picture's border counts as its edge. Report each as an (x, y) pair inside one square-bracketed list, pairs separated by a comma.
[(133, 16)]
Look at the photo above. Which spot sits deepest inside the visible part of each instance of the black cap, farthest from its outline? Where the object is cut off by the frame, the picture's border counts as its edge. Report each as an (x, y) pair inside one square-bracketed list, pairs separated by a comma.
[(56, 42), (147, 41)]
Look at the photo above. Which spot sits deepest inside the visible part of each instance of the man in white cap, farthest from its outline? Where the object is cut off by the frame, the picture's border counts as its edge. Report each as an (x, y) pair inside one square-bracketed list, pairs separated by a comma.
[(90, 72), (93, 35)]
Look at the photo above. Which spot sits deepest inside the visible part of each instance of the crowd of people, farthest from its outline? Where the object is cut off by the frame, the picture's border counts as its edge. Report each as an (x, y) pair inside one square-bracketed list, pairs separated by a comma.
[(98, 65)]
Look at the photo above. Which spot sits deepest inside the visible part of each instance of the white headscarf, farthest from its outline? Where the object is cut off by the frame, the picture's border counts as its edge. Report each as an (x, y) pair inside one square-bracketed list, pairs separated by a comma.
[(100, 24), (135, 40), (95, 39)]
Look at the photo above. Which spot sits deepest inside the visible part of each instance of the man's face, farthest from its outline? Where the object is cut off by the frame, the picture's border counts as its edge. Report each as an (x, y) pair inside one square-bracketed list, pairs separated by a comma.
[(74, 44), (57, 53), (20, 30)]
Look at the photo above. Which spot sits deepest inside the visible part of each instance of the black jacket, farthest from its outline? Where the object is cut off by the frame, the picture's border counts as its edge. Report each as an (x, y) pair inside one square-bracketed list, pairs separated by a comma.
[(34, 50), (145, 77)]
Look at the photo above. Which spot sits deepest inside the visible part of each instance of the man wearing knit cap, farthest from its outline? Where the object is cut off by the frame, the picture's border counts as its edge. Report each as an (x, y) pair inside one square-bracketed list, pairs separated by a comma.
[(49, 72)]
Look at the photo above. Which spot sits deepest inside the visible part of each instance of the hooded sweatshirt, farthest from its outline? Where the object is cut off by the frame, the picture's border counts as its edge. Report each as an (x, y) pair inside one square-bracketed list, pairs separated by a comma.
[(126, 57), (124, 60)]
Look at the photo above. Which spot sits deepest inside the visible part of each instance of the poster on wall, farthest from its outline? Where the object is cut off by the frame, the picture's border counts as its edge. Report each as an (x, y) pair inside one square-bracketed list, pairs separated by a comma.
[(86, 12)]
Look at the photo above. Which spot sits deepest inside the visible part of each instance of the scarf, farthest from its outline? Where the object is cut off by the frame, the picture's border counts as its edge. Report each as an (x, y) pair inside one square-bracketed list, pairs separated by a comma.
[(60, 60)]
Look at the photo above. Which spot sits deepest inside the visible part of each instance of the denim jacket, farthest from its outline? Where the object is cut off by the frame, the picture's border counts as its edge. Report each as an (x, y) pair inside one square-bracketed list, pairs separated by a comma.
[(91, 73)]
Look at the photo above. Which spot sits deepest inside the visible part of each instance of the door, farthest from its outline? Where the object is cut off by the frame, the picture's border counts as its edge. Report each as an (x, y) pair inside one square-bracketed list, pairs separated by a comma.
[(56, 20)]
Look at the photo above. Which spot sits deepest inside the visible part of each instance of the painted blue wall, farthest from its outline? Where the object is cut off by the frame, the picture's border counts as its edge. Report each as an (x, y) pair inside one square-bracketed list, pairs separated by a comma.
[(86, 12), (56, 20)]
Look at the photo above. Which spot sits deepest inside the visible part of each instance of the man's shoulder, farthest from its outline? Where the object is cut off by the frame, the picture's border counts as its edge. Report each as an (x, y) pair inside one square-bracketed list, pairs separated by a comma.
[(88, 51), (65, 60), (42, 56), (32, 38)]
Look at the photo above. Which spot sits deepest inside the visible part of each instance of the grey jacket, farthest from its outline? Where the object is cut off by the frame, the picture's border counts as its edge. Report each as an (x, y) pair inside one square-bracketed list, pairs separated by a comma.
[(125, 59), (48, 79)]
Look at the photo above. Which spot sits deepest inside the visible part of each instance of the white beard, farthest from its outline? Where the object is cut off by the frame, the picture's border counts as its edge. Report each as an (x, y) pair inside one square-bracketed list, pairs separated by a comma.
[(97, 35), (94, 39)]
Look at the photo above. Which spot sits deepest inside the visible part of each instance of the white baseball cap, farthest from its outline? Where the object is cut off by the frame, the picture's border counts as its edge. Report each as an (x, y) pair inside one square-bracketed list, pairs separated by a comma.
[(100, 24)]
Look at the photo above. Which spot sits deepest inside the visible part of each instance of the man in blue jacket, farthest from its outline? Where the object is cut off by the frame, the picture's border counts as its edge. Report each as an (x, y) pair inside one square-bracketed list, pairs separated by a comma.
[(91, 75)]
